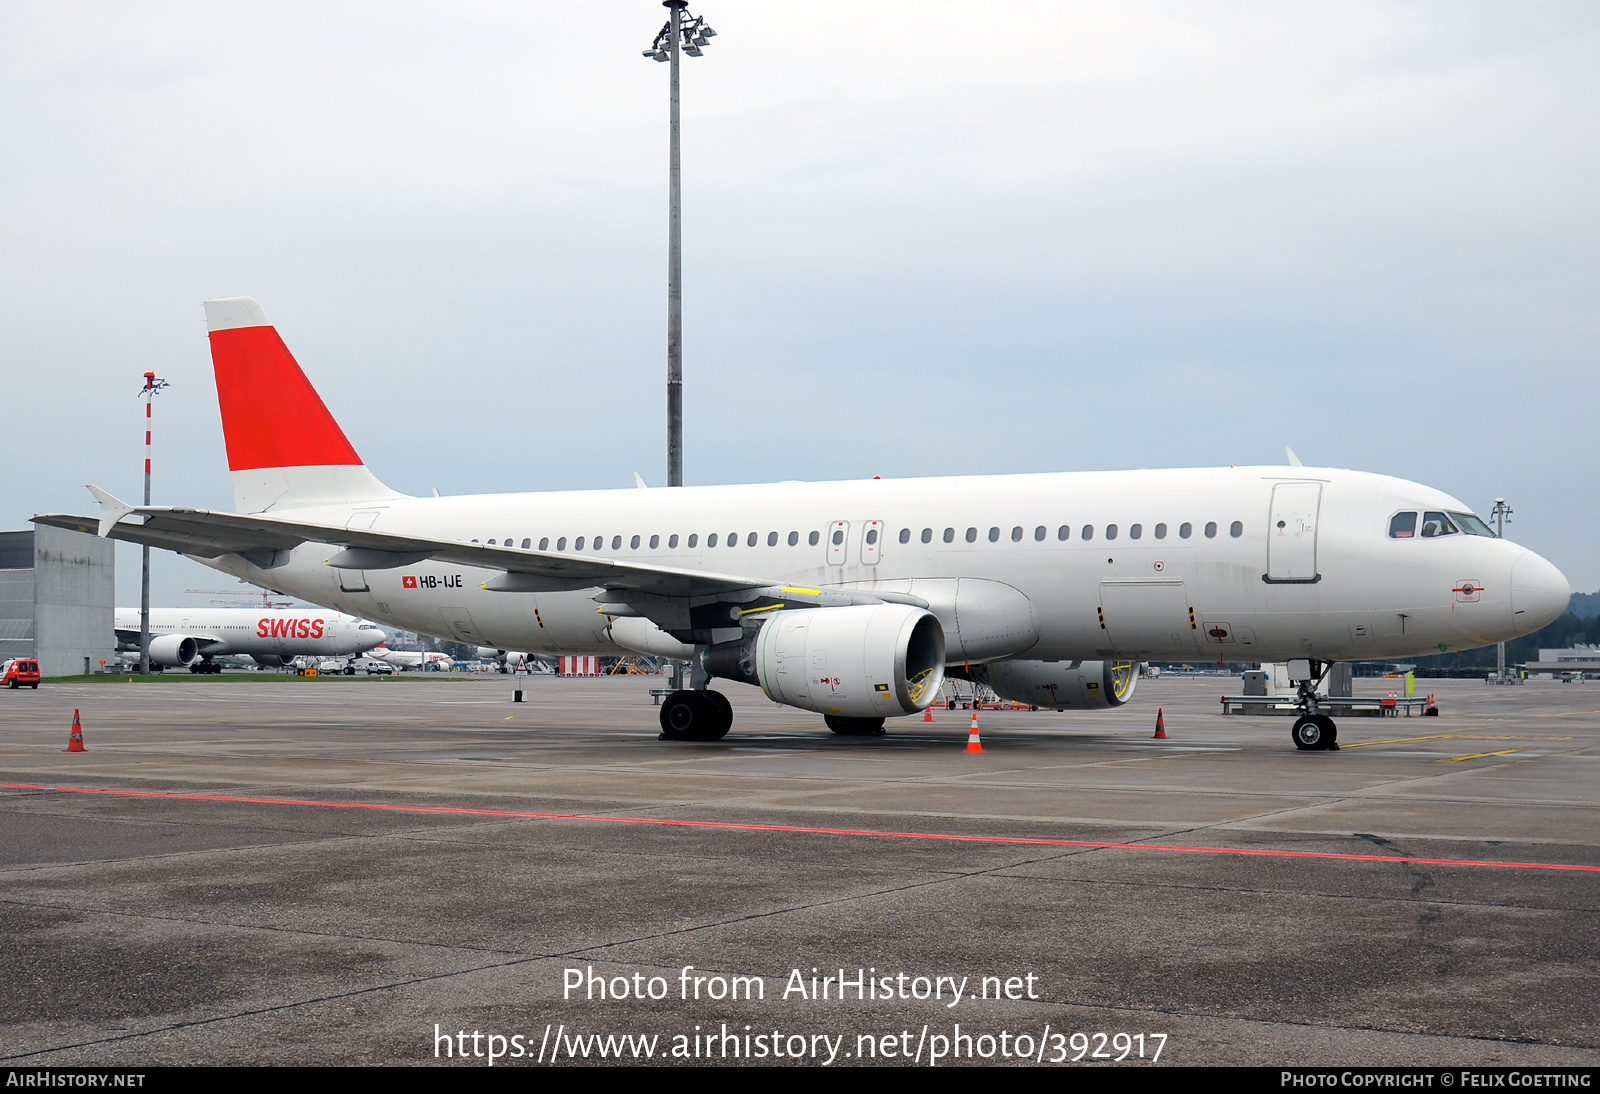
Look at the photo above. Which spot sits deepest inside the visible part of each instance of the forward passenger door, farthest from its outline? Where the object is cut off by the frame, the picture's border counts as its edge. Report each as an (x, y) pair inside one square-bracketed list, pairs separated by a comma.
[(1292, 533)]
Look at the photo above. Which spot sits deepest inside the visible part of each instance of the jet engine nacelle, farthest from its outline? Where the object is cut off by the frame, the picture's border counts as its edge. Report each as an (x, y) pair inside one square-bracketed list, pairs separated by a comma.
[(1061, 685), (862, 661), (174, 650)]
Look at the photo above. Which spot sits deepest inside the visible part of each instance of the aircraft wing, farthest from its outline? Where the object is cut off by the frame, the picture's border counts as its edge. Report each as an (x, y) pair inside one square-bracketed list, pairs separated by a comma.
[(128, 639), (259, 537)]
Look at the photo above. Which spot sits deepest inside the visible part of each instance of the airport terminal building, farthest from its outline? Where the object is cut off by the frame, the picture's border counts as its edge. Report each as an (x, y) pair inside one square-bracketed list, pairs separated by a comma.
[(57, 597)]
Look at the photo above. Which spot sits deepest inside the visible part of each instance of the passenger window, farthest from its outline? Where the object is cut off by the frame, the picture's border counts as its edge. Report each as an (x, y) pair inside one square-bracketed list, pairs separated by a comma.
[(526, 544), (711, 540), (633, 544), (872, 536), (694, 538), (1185, 530), (1088, 532), (794, 538), (1436, 524), (927, 535), (838, 536), (1064, 533), (812, 539), (772, 539), (491, 543), (1211, 529), (1236, 529), (672, 541), (949, 535), (577, 544), (1039, 534), (1016, 534), (1161, 531), (972, 535), (1111, 531), (1135, 531), (600, 541), (655, 541), (994, 535), (752, 539), (905, 535), (561, 544)]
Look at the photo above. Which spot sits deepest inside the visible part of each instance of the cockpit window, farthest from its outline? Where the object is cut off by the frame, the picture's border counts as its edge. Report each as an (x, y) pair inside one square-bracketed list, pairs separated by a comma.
[(1402, 526), (1437, 524), (1472, 525)]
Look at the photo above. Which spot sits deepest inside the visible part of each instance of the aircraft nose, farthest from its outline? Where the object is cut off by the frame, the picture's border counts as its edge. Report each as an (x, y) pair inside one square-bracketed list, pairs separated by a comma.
[(1539, 593)]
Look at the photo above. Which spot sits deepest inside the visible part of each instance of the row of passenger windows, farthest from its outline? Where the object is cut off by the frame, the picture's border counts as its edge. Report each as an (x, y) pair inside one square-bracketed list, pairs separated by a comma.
[(751, 539), (1041, 532), (598, 543)]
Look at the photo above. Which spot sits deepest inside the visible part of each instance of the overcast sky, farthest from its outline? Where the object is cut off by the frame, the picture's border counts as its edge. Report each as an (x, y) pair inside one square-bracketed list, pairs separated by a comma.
[(923, 238)]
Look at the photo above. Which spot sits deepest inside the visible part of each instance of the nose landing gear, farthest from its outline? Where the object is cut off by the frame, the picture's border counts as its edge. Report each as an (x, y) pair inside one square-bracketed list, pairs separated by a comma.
[(1315, 733), (1312, 732)]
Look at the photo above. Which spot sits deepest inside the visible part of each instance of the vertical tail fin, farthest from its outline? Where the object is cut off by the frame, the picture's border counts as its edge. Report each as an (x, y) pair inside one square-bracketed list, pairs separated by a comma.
[(284, 449)]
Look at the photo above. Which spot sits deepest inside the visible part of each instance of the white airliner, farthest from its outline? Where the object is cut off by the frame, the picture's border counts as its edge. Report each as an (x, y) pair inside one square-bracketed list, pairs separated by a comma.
[(411, 659), (852, 599), (190, 637), (507, 660)]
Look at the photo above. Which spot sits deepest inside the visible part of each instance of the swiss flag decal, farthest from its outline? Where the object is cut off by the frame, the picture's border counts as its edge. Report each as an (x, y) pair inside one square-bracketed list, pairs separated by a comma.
[(408, 582)]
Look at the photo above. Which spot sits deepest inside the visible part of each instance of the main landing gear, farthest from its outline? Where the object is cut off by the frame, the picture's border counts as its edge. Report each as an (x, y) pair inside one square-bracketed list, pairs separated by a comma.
[(696, 716), (854, 727)]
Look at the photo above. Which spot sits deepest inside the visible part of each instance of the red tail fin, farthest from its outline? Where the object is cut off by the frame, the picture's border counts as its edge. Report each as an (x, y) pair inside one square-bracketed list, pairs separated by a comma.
[(284, 448), (271, 415)]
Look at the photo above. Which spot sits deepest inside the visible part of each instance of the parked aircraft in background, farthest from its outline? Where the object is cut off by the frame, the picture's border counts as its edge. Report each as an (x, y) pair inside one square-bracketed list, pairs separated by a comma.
[(191, 637), (852, 599), (411, 659), (508, 660)]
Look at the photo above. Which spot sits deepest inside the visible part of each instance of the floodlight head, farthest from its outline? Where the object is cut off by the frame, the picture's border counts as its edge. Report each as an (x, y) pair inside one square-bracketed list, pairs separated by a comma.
[(707, 32), (698, 39), (692, 50)]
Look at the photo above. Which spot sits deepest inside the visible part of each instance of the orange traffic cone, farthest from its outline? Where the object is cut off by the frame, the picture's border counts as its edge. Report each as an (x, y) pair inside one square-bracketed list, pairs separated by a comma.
[(1161, 726), (927, 715), (75, 742), (973, 744)]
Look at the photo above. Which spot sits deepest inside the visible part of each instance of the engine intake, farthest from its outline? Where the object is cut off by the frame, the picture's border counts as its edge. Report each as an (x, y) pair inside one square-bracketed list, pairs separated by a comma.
[(174, 650), (862, 661), (1060, 685)]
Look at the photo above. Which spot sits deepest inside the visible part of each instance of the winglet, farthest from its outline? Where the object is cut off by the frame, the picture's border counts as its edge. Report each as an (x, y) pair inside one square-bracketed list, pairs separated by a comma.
[(1294, 461), (111, 509), (639, 481)]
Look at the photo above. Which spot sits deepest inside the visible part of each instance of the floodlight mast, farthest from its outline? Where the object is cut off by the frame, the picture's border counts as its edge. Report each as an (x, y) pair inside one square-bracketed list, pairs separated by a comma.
[(683, 33)]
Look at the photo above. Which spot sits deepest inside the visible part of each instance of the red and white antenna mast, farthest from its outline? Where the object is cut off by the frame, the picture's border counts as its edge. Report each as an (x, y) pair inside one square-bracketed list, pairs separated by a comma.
[(153, 386)]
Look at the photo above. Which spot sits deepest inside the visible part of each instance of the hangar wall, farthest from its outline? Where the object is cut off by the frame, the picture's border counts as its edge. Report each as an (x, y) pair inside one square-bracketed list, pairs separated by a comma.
[(57, 599)]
